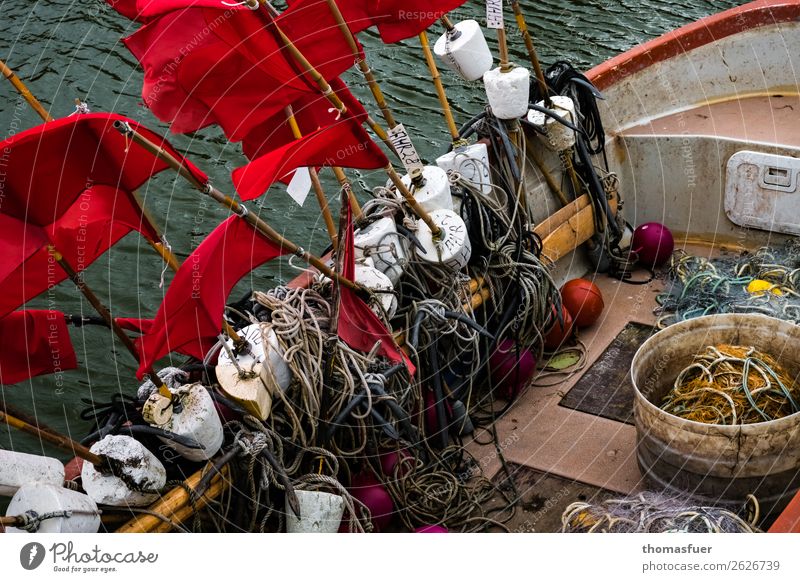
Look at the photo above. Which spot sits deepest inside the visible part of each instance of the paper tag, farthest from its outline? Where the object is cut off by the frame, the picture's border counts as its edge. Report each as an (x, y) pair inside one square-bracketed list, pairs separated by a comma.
[(494, 14), (300, 185), (405, 148)]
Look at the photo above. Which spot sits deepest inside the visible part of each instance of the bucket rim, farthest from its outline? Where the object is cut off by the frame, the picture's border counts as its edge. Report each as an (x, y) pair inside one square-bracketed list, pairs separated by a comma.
[(706, 321)]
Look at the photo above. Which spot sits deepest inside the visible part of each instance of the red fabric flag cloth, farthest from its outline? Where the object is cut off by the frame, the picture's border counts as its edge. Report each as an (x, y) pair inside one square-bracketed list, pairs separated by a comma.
[(35, 342), (98, 219), (190, 317), (358, 326), (396, 19), (48, 167), (135, 324), (311, 112), (226, 65), (344, 144)]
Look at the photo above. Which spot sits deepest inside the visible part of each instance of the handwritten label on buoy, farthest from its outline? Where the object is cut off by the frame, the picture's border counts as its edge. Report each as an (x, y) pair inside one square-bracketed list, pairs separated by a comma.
[(494, 14), (405, 149)]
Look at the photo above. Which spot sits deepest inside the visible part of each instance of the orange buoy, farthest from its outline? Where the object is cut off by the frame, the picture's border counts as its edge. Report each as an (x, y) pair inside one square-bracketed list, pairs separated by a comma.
[(559, 333), (583, 300)]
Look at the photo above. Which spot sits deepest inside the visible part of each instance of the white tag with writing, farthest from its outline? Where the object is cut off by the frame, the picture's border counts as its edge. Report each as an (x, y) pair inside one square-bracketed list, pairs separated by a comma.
[(405, 149), (300, 185), (494, 14)]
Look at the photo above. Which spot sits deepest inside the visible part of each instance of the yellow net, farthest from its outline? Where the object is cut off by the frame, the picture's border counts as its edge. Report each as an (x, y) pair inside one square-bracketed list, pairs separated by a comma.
[(728, 384)]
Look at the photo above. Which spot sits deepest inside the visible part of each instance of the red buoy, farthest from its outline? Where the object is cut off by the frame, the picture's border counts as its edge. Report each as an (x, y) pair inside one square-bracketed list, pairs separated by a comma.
[(559, 333), (583, 300), (653, 244)]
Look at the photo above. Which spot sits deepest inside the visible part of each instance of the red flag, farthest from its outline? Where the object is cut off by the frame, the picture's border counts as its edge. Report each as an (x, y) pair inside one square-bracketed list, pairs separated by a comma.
[(135, 324), (48, 167), (96, 221), (311, 113), (344, 144), (396, 19), (358, 325), (226, 65), (190, 317), (34, 343)]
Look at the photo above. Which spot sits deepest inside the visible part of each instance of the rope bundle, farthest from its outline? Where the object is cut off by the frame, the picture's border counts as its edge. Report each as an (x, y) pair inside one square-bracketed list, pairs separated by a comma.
[(654, 513), (732, 385)]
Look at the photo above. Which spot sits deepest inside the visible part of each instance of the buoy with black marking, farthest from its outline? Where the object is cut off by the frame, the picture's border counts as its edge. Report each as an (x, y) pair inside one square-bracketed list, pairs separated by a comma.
[(380, 242), (452, 248), (471, 162), (557, 136), (430, 187), (320, 512), (141, 474)]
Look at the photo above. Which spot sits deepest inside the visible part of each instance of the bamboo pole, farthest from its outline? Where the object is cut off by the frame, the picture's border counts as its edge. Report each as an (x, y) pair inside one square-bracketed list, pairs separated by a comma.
[(526, 36), (322, 200), (334, 99), (57, 440), (103, 311), (176, 505), (24, 92), (437, 83), (257, 223)]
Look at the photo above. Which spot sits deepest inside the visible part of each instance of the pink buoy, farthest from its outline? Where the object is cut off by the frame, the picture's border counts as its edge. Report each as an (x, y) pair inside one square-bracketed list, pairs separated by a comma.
[(432, 529), (390, 459), (653, 244), (375, 496), (511, 368)]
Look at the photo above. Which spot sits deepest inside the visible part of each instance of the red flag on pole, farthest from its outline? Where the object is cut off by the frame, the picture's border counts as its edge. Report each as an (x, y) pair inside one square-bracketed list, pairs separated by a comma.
[(48, 167), (358, 326), (226, 65), (396, 19), (344, 144), (190, 317), (311, 112), (97, 220), (35, 342)]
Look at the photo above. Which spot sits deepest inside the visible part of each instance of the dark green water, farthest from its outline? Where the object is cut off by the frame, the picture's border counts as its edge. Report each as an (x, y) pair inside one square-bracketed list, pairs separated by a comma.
[(66, 50)]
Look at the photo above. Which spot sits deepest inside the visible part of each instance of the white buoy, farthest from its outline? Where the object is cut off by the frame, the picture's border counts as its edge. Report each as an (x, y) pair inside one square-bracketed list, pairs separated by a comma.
[(252, 389), (18, 469), (269, 353), (195, 416), (380, 242), (138, 465), (320, 512), (558, 136), (39, 499), (465, 51), (508, 93), (374, 280), (453, 248), (434, 193), (472, 163)]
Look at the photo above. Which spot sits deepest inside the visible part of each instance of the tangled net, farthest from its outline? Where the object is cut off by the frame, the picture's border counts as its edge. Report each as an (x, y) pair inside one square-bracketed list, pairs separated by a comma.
[(707, 287), (655, 513), (732, 385)]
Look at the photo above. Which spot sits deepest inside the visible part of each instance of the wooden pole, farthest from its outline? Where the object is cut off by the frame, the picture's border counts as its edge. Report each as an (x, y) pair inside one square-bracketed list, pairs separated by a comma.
[(322, 200), (26, 94), (176, 504), (239, 209), (505, 64), (526, 35), (437, 83), (57, 440)]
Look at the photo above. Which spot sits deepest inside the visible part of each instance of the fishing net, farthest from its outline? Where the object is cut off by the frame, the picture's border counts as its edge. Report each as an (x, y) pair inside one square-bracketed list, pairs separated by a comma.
[(732, 385), (766, 282), (651, 512)]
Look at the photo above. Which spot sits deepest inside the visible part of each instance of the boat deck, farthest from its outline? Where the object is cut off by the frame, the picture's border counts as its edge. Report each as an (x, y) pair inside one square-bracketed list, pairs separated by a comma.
[(765, 119), (571, 454)]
